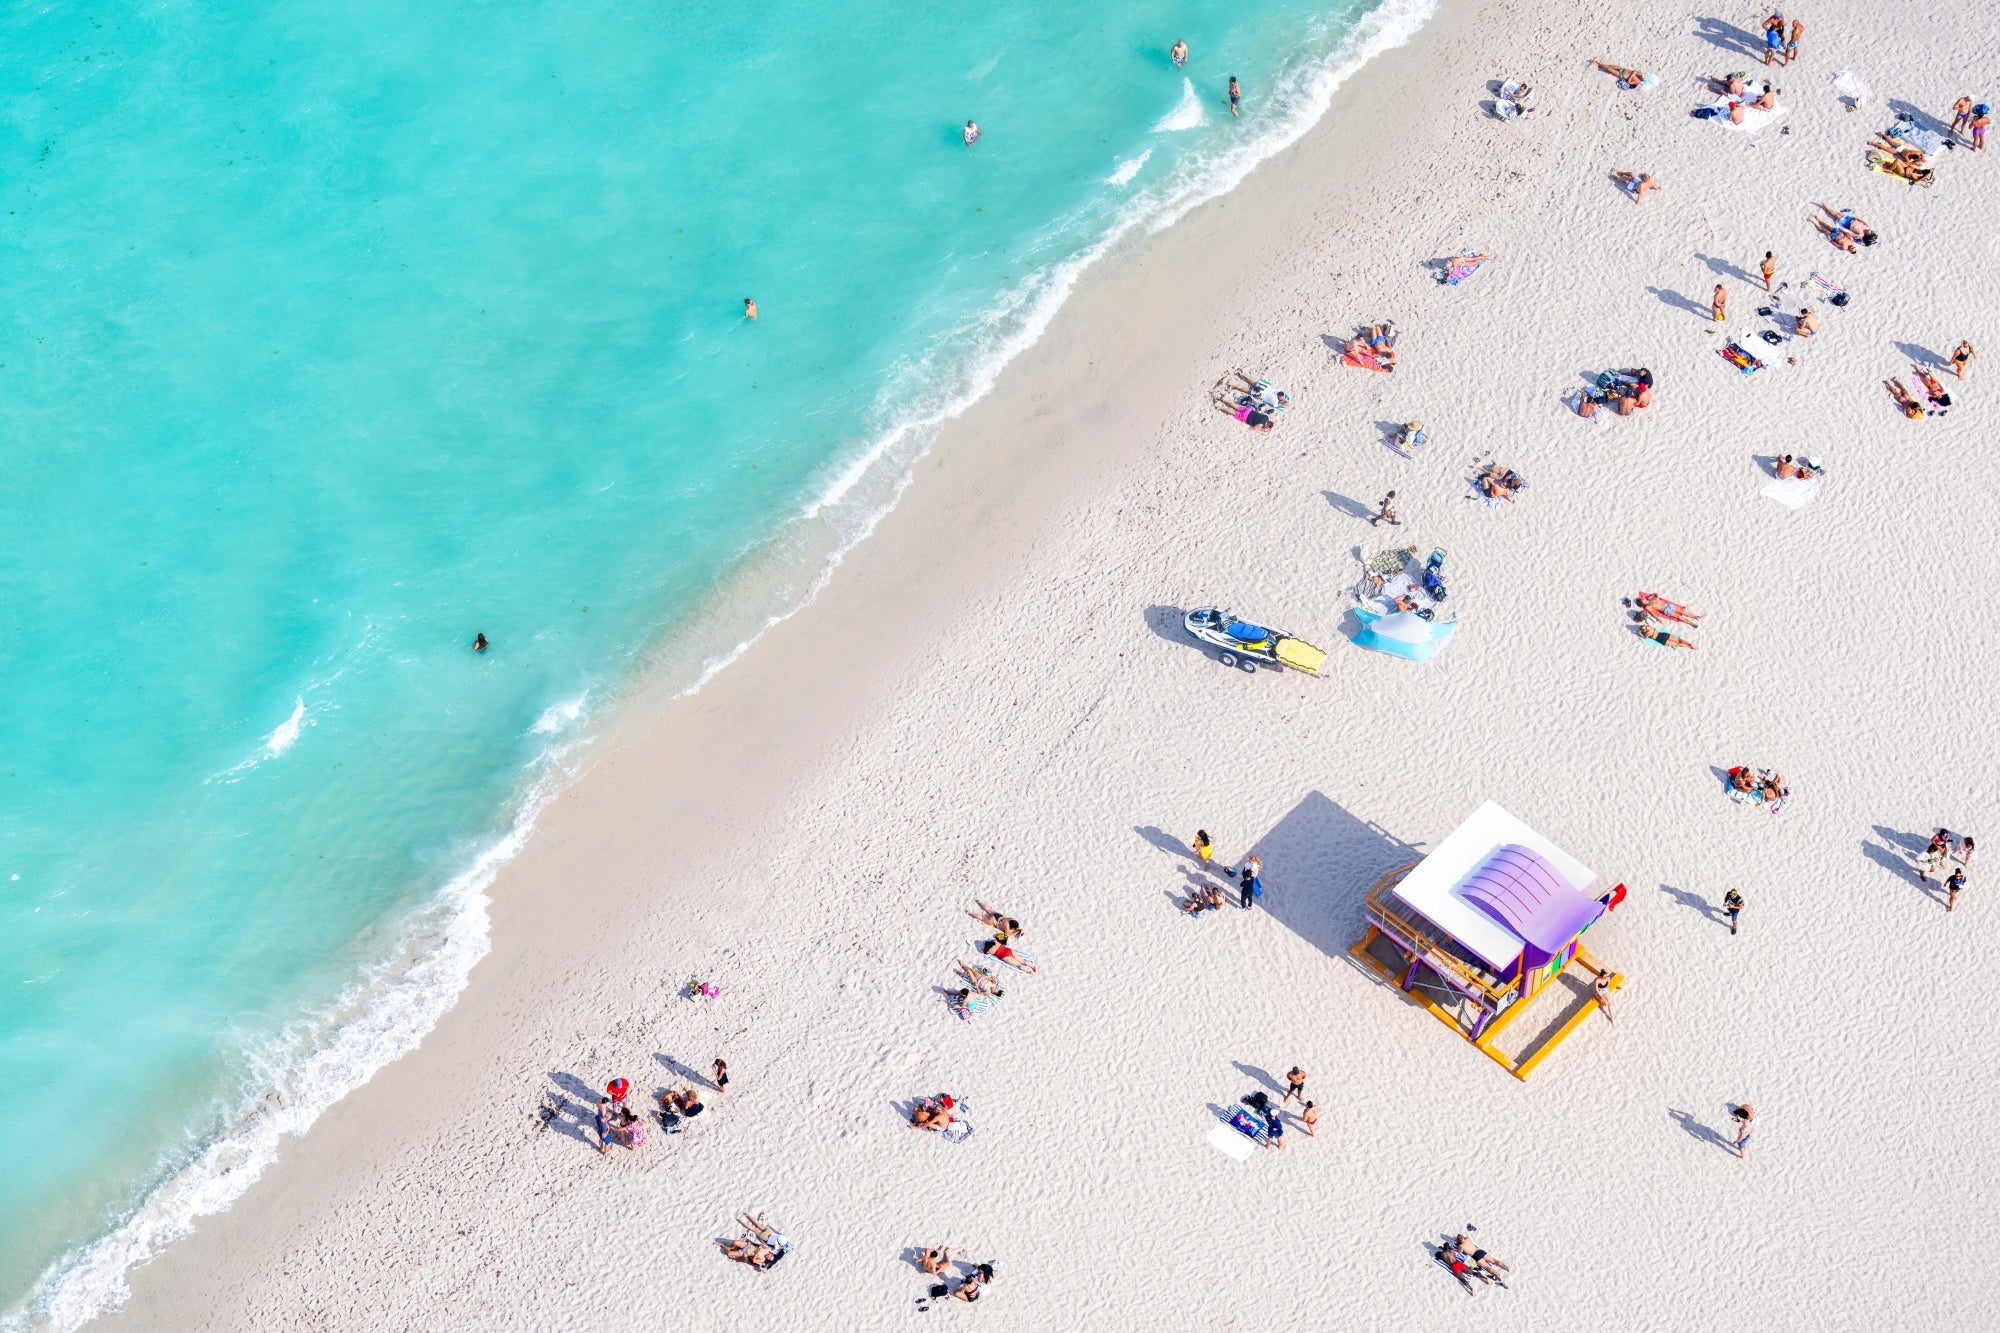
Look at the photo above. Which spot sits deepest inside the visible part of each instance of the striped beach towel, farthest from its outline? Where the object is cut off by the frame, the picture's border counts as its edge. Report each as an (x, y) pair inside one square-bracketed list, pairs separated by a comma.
[(1825, 288), (1742, 360)]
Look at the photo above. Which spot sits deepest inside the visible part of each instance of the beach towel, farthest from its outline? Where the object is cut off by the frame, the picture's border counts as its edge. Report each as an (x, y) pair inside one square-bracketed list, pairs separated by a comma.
[(1909, 132), (1461, 268), (1023, 955), (973, 1004), (1230, 1144), (1827, 289), (1366, 361), (1248, 1125), (1741, 359), (958, 1131), (1792, 492), (1753, 118), (1852, 88)]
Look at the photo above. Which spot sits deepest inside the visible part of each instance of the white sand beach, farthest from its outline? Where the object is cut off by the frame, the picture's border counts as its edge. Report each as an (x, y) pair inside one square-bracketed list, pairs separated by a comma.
[(993, 699)]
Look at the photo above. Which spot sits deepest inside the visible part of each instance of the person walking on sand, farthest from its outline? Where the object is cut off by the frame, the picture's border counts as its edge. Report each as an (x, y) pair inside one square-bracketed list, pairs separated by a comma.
[(1718, 305), (1295, 1084), (1792, 42), (1732, 903), (1385, 512), (1769, 268), (1774, 37), (749, 307), (1311, 1116), (1179, 56), (1204, 848), (1952, 886), (721, 1078), (1961, 358), (1745, 1117), (1235, 97)]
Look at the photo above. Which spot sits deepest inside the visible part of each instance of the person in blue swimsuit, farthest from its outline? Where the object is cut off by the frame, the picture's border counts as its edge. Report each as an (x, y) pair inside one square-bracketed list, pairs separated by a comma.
[(1774, 37)]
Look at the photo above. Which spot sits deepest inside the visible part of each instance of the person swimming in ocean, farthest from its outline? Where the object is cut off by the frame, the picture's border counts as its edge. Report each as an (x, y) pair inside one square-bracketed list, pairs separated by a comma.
[(1179, 56), (479, 643), (749, 307), (971, 133)]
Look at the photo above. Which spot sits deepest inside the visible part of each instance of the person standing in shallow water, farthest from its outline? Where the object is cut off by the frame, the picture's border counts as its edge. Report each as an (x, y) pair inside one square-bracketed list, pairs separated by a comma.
[(971, 133), (1235, 97), (1179, 56), (479, 643), (749, 307)]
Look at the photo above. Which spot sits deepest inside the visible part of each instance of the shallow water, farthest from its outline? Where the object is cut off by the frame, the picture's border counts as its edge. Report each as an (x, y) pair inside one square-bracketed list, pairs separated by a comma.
[(339, 333)]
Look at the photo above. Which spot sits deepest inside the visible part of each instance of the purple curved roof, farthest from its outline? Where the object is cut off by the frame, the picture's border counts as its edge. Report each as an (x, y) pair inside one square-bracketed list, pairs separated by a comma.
[(1523, 892)]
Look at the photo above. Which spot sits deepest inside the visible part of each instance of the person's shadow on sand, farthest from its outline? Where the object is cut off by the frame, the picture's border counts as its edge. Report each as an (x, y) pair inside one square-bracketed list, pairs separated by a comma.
[(1251, 1071), (1724, 269), (1350, 507), (1692, 900), (1679, 302), (1740, 41), (1164, 841), (1699, 1131)]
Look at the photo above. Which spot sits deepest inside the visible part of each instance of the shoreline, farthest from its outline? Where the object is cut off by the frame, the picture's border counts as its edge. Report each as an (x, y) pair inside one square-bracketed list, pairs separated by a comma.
[(680, 785)]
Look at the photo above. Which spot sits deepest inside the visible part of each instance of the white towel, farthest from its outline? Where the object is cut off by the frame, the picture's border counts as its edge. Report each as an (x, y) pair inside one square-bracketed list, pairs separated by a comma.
[(1753, 119), (1792, 492), (1231, 1144)]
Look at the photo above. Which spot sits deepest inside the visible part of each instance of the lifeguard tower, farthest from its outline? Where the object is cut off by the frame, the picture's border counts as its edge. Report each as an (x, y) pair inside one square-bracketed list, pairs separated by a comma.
[(1483, 930)]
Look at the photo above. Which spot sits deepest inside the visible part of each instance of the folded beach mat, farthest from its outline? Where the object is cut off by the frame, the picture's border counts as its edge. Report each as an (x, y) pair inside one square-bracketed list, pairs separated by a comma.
[(1231, 1144), (958, 1131), (1301, 656), (1792, 492), (1404, 634)]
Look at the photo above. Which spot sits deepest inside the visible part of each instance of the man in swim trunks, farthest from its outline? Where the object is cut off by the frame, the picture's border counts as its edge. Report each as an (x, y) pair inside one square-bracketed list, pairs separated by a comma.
[(1732, 903), (1483, 1263), (1961, 115), (1792, 43), (1385, 512), (1235, 96), (749, 307), (1774, 37), (1295, 1084), (1744, 1116), (1179, 56)]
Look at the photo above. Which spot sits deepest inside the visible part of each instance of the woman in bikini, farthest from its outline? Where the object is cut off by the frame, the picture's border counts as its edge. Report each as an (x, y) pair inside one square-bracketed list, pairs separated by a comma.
[(1006, 925), (1661, 637), (1852, 225), (1250, 415), (1932, 389), (1908, 404), (1627, 78), (1837, 236), (981, 980)]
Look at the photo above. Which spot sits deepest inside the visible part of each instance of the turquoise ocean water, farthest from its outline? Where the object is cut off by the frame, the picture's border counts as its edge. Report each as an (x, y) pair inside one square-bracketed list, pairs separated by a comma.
[(336, 333)]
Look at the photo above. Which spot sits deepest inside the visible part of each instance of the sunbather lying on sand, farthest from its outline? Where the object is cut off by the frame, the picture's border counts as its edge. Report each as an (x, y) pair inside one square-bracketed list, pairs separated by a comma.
[(1635, 183), (1837, 235), (1271, 398), (1730, 85), (1453, 1260), (1851, 224), (1627, 78), (760, 1249), (1652, 606), (1499, 483), (980, 979), (1479, 1258), (1657, 635), (994, 949), (1897, 149), (1254, 418), (1202, 898), (1771, 789), (1933, 390), (1006, 925), (1908, 404), (1378, 345)]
